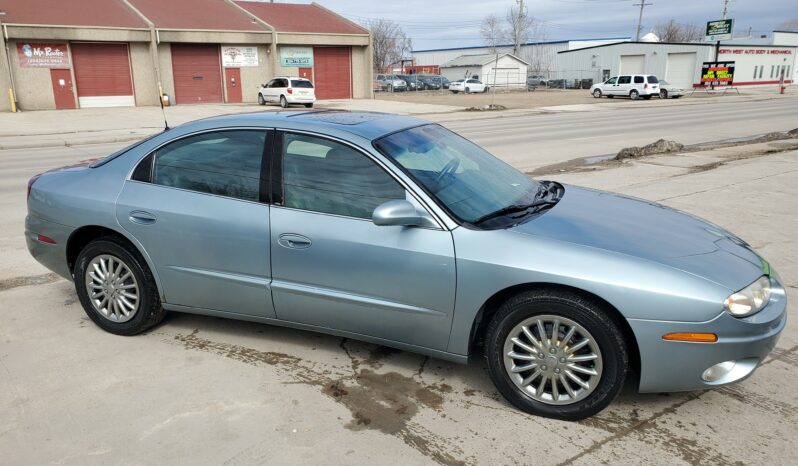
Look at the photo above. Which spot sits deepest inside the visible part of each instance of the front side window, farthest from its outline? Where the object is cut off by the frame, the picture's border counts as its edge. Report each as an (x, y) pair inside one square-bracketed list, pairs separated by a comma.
[(224, 163), (468, 181), (272, 83), (612, 80), (324, 176), (624, 80)]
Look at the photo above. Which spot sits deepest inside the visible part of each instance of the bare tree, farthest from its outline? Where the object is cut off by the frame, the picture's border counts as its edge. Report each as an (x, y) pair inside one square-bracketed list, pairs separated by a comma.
[(491, 31), (519, 27), (678, 32), (389, 41), (791, 25)]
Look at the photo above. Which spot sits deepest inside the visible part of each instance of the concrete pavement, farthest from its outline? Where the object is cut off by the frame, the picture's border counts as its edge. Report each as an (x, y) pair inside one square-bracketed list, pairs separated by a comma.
[(213, 391)]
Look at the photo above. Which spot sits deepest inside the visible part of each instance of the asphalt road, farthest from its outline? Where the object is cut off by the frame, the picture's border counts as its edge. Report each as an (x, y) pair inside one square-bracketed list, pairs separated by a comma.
[(200, 390), (528, 142)]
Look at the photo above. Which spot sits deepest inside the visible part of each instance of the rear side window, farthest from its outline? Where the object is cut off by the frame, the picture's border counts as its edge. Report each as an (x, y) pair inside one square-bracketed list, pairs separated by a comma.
[(624, 80), (301, 83), (224, 163), (653, 80), (639, 80)]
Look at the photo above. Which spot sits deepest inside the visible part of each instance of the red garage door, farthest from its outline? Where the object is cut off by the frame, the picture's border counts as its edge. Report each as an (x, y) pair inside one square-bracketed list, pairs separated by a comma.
[(332, 68), (197, 73), (102, 75)]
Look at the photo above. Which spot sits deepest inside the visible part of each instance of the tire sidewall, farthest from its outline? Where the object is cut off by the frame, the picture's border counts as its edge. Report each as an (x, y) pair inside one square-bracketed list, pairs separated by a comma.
[(597, 93), (146, 288), (283, 102), (634, 95), (607, 337), (261, 100)]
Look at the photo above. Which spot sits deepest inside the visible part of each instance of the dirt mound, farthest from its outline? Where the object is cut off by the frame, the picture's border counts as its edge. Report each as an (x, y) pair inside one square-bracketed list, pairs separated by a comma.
[(660, 147), (486, 108)]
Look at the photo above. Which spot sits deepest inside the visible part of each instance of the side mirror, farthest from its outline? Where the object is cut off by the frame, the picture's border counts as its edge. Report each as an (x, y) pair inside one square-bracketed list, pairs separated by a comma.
[(400, 212)]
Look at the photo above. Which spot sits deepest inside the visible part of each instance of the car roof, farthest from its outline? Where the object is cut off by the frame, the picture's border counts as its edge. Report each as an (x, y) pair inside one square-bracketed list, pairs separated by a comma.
[(369, 125)]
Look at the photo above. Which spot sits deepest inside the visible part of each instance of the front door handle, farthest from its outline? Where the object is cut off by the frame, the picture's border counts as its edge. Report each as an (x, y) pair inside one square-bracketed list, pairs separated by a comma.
[(294, 241), (142, 218)]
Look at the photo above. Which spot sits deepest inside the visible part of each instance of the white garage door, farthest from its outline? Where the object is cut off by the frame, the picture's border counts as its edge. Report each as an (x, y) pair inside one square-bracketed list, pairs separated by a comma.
[(633, 64), (681, 69), (503, 77)]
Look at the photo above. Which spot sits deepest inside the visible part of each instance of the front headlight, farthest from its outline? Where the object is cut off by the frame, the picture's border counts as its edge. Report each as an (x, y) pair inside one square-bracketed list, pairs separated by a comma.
[(750, 299)]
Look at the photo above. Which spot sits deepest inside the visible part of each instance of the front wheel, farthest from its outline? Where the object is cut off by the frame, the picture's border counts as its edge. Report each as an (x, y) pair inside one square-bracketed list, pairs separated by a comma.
[(663, 94), (634, 95), (116, 288), (556, 354), (261, 100), (467, 90), (283, 102), (597, 93)]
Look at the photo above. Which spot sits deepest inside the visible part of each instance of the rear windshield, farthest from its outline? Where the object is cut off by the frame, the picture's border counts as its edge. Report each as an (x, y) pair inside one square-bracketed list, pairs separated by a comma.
[(301, 83), (653, 79)]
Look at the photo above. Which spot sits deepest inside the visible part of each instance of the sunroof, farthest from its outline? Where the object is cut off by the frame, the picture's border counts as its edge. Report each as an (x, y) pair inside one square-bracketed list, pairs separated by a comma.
[(341, 117)]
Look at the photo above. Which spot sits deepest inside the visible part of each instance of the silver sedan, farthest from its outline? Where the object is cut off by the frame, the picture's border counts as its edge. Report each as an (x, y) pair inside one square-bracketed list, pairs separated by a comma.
[(399, 232)]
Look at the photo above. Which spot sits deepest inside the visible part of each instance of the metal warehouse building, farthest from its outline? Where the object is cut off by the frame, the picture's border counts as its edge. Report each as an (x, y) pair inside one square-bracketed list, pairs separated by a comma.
[(89, 53), (757, 61), (540, 56)]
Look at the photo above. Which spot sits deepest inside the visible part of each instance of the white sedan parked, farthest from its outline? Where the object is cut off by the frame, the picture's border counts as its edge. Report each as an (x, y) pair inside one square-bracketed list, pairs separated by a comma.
[(287, 90), (468, 86)]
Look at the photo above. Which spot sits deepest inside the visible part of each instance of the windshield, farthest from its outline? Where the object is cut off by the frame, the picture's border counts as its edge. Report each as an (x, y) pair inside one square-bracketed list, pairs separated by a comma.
[(468, 181)]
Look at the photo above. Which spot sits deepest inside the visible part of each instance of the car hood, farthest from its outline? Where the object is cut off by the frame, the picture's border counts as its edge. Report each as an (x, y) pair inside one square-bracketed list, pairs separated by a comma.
[(648, 231)]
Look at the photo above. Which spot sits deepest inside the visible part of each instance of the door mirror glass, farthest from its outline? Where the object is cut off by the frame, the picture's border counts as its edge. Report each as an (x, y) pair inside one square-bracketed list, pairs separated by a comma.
[(400, 212)]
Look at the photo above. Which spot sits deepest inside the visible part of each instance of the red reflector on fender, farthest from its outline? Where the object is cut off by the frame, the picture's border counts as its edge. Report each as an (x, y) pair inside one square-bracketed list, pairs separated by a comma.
[(45, 239)]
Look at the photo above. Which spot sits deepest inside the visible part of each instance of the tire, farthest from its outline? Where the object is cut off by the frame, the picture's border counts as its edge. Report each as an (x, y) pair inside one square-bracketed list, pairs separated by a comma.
[(261, 100), (597, 93), (147, 311), (467, 90), (485, 90), (283, 102), (308, 105), (663, 94), (634, 95), (606, 343)]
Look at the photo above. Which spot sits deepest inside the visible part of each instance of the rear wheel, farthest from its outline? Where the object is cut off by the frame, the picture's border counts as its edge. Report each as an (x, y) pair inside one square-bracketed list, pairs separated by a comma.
[(261, 100), (116, 288), (634, 95), (555, 354), (597, 93), (663, 94), (283, 102)]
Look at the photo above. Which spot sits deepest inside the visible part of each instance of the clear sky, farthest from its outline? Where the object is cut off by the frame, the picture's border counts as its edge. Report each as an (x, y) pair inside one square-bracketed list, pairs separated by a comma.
[(455, 23)]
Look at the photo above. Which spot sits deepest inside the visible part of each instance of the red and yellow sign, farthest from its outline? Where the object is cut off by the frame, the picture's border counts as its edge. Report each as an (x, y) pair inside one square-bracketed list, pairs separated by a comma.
[(717, 74), (35, 55)]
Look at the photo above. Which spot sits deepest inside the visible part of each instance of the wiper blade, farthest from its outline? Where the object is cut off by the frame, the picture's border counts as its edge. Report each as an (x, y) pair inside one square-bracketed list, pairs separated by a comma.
[(534, 207)]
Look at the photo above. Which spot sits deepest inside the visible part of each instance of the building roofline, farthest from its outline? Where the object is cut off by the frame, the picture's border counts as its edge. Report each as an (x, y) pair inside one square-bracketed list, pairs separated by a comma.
[(786, 32), (343, 18), (73, 26), (541, 42), (699, 44), (492, 57)]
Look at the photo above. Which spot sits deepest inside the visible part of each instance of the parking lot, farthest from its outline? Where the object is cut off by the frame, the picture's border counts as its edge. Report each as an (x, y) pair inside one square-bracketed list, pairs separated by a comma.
[(200, 390)]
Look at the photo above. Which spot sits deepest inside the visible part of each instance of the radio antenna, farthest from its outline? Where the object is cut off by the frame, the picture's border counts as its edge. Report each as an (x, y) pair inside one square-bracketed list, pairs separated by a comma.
[(163, 110)]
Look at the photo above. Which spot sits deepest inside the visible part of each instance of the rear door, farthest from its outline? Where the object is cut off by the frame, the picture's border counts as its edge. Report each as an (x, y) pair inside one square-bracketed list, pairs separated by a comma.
[(197, 206)]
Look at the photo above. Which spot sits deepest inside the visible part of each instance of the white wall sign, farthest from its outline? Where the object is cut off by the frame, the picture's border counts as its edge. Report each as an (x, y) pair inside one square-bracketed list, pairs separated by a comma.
[(238, 56)]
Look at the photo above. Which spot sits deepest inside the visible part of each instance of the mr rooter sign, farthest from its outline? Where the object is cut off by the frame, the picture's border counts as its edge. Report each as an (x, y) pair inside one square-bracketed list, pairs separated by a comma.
[(34, 55)]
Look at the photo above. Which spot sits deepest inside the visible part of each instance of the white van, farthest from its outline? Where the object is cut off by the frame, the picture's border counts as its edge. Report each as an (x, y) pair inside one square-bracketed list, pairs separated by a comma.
[(634, 86)]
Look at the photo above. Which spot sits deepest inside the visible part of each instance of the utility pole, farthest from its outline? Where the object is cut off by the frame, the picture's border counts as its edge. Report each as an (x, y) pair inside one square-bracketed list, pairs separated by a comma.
[(642, 5), (519, 21), (725, 8)]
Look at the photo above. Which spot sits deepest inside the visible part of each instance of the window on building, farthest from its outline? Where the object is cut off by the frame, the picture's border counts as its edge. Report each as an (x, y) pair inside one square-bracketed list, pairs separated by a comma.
[(324, 176), (761, 70), (772, 69), (755, 70), (225, 163), (787, 75)]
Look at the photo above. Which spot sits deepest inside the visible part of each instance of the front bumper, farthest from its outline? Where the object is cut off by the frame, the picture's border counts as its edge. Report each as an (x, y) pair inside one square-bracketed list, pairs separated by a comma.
[(52, 256), (672, 366)]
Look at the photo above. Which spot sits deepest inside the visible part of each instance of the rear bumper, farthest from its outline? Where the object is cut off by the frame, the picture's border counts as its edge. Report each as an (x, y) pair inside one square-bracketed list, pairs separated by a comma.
[(52, 256), (671, 366), (300, 99)]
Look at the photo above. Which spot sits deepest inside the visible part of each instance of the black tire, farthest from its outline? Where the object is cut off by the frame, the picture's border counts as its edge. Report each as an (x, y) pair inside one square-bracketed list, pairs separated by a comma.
[(571, 306), (597, 93), (149, 311), (467, 90), (283, 102), (308, 105), (663, 94), (261, 100), (634, 95)]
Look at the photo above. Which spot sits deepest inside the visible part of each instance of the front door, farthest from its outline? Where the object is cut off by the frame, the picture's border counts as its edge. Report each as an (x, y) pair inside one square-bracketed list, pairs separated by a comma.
[(233, 84), (333, 268), (195, 205), (63, 90)]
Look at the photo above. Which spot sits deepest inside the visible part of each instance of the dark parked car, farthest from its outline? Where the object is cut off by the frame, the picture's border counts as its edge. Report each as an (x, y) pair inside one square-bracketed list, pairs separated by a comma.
[(429, 83), (411, 80)]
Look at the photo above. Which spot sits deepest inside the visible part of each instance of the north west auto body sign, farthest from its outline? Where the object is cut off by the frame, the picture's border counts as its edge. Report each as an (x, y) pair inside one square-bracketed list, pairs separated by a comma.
[(39, 55), (735, 51)]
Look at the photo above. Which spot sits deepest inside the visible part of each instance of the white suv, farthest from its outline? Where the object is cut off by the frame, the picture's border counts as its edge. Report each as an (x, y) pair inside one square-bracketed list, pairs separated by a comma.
[(287, 90), (634, 86)]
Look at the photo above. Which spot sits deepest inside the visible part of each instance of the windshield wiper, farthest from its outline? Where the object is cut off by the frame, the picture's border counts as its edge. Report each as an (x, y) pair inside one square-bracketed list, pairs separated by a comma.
[(526, 209)]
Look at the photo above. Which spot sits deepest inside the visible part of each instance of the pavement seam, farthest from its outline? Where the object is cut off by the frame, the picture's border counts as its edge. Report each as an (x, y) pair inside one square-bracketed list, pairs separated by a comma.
[(34, 280), (725, 186)]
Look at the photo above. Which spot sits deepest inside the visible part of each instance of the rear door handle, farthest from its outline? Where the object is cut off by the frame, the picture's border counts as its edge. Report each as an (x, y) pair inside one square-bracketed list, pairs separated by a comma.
[(294, 241), (142, 218)]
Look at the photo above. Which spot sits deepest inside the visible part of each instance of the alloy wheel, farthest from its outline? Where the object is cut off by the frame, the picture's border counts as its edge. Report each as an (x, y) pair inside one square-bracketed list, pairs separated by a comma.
[(112, 288), (552, 359)]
